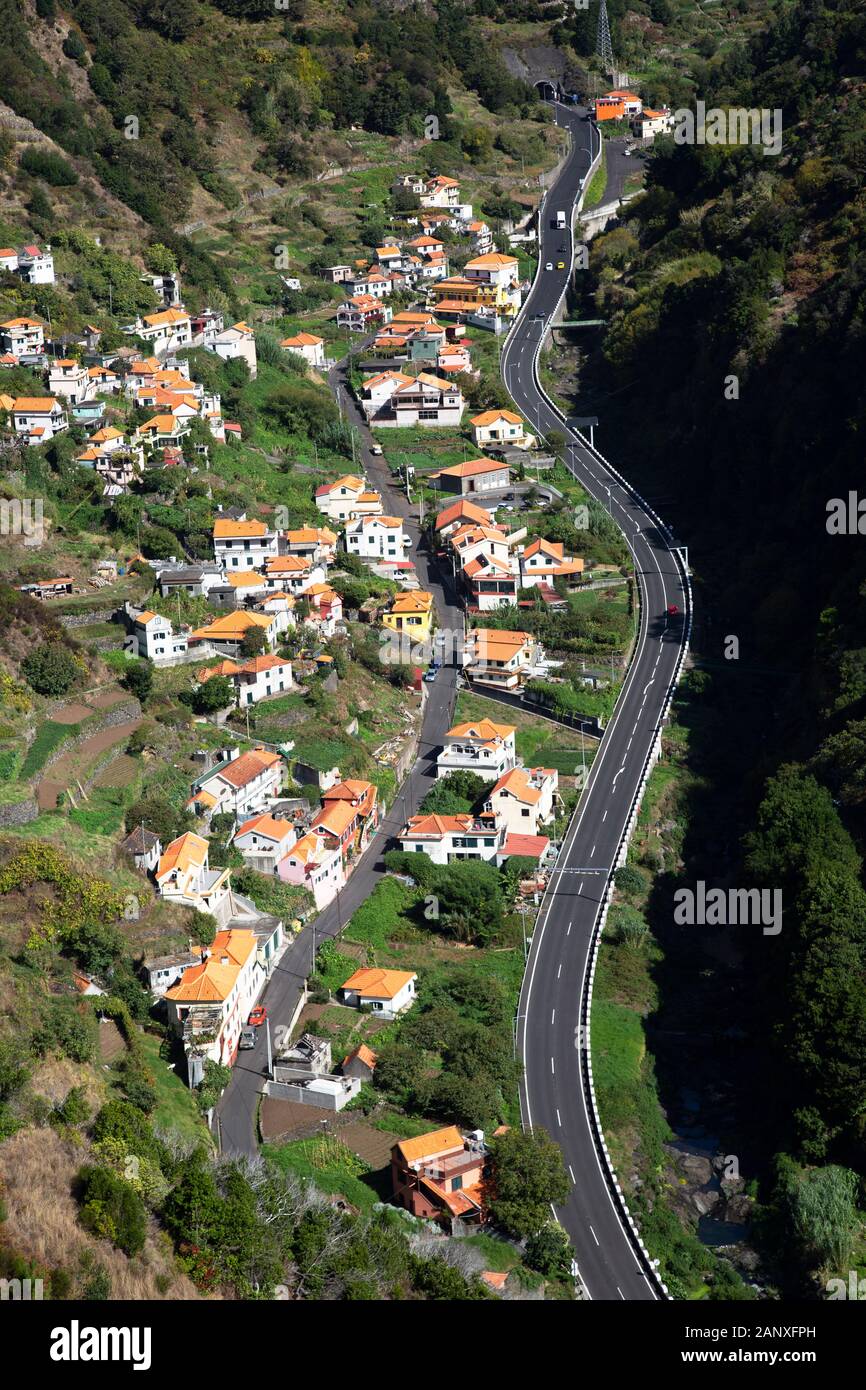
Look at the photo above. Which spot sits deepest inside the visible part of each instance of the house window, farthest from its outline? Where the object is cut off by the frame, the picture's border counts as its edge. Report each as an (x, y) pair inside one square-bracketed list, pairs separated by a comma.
[(524, 811)]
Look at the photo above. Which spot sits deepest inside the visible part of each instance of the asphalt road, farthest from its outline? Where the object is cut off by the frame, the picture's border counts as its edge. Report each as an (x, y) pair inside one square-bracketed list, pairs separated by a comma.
[(237, 1110), (551, 1019)]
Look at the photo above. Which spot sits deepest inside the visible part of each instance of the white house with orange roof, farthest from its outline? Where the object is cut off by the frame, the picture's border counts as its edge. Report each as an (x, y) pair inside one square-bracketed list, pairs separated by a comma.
[(524, 798), (498, 427), (498, 657), (255, 679), (237, 341), (447, 838), (450, 519), (326, 608), (263, 841), (377, 538), (544, 561), (156, 639), (347, 497), (184, 877), (292, 574), (243, 544), (387, 993), (440, 191), (501, 273), (361, 312), (241, 785), (212, 1001), (490, 583), (68, 378), (425, 400), (376, 392), (40, 418), (308, 346), (480, 746), (226, 633), (169, 330), (315, 543), (21, 336)]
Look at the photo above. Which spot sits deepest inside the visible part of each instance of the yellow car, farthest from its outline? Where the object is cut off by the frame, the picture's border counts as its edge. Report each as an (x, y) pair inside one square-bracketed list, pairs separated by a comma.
[(560, 265)]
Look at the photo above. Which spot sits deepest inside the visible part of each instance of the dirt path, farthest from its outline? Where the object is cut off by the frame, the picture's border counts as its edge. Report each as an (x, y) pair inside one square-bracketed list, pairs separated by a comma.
[(64, 770)]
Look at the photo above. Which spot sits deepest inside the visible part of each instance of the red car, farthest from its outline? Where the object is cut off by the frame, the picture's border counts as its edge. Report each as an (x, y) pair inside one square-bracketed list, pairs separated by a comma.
[(257, 1017), (673, 610)]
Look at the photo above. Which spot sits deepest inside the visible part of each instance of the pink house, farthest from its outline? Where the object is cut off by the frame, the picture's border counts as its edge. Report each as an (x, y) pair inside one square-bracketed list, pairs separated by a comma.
[(314, 865)]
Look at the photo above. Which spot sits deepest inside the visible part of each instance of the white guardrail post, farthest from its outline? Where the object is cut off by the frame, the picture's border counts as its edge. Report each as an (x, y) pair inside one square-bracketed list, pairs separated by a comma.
[(652, 758)]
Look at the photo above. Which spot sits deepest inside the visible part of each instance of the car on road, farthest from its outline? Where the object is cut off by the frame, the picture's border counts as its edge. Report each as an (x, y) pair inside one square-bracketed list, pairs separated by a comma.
[(430, 674), (257, 1017), (673, 610), (376, 449), (549, 265), (249, 1038), (560, 265), (508, 496)]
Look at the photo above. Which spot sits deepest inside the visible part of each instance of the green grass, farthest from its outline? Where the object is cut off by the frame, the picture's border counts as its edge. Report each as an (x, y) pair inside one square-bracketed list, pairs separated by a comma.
[(102, 813), (176, 1107), (499, 1255), (327, 1163), (597, 184), (49, 736), (385, 910), (618, 1047)]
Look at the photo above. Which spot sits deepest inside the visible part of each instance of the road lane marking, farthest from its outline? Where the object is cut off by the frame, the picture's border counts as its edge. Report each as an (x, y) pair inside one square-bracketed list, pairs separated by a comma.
[(571, 1171), (558, 1120), (559, 971), (592, 852), (568, 933), (552, 1068), (594, 1236), (604, 817)]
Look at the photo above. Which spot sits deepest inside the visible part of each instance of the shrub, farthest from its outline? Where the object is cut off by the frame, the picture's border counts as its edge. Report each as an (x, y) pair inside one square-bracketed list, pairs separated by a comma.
[(112, 1209), (43, 164), (50, 668)]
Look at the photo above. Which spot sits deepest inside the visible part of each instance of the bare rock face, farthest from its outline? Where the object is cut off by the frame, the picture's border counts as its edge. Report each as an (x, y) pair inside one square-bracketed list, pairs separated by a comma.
[(738, 1209), (705, 1202), (697, 1170)]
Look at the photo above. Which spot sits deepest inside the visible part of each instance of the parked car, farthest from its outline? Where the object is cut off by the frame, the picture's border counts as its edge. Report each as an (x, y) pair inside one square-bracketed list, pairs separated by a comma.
[(376, 449), (257, 1017), (549, 265), (430, 674), (249, 1038), (508, 496)]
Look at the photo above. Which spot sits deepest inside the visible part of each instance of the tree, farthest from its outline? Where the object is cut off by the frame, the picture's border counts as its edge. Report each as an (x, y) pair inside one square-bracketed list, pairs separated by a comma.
[(254, 642), (51, 668), (216, 693), (527, 1174), (156, 813), (399, 1068), (112, 1209), (460, 791), (549, 1251), (139, 679), (470, 891)]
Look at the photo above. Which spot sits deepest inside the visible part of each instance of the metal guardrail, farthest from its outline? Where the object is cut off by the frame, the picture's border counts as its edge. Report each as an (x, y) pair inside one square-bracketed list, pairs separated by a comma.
[(631, 1227)]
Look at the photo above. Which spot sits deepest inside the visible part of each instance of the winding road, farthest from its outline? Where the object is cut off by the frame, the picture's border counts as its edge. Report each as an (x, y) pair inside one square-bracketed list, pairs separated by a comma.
[(552, 1026)]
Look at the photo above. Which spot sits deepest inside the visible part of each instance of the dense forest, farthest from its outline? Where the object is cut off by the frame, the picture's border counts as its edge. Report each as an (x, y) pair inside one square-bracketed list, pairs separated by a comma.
[(734, 298)]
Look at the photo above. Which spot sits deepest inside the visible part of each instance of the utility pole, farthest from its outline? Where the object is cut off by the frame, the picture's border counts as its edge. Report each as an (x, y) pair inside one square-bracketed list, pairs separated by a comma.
[(603, 43)]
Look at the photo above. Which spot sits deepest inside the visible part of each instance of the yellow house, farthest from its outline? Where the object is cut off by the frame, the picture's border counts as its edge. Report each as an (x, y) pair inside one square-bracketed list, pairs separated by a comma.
[(411, 613)]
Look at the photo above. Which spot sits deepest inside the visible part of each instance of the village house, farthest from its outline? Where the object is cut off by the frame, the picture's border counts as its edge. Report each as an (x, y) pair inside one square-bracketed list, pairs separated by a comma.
[(196, 580), (22, 336), (427, 400), (291, 574), (452, 518), (478, 746), (326, 608), (500, 658), (348, 497), (362, 312), (308, 346), (169, 330), (164, 971), (497, 427), (440, 192), (243, 544), (377, 538), (447, 838), (543, 562), (440, 1176), (34, 265), (184, 878), (649, 123), (226, 633), (474, 476), (411, 613), (161, 430), (242, 784), (263, 841), (524, 798), (377, 393), (312, 864), (387, 993), (211, 1003), (69, 379), (155, 638), (40, 418), (237, 341), (318, 544), (360, 1063), (144, 847), (255, 679), (489, 583)]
